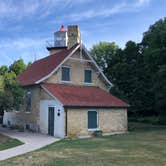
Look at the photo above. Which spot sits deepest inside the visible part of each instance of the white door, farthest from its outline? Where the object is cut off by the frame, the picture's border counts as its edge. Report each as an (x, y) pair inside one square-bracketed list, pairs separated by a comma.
[(59, 121)]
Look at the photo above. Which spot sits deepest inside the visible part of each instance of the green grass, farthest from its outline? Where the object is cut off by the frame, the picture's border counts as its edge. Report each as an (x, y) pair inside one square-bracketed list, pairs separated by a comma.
[(144, 145), (7, 142)]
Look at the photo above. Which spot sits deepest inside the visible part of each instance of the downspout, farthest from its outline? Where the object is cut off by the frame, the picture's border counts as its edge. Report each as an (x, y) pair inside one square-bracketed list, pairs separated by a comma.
[(66, 122)]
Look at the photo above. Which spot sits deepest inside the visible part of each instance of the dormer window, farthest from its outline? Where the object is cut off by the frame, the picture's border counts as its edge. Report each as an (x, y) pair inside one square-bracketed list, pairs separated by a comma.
[(88, 76), (65, 73)]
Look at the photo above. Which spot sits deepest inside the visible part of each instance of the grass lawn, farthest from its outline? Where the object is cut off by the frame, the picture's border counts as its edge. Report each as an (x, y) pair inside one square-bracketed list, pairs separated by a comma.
[(144, 145), (7, 142)]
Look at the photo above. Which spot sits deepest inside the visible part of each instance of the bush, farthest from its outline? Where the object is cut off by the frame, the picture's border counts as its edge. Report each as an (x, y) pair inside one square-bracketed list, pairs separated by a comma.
[(98, 133), (161, 119)]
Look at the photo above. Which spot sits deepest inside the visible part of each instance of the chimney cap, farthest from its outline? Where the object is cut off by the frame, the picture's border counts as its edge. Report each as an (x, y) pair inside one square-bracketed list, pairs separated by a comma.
[(62, 29)]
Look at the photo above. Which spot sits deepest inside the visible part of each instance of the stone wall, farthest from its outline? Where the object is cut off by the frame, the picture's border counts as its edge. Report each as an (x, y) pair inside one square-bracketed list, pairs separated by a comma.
[(109, 121), (31, 118), (74, 36), (77, 74)]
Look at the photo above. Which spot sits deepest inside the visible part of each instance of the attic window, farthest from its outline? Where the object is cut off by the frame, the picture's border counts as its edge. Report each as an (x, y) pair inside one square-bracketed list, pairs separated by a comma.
[(88, 76), (28, 101), (65, 73)]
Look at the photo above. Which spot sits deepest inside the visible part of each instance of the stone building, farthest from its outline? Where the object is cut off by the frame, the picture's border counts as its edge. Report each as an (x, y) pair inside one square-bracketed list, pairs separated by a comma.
[(67, 93)]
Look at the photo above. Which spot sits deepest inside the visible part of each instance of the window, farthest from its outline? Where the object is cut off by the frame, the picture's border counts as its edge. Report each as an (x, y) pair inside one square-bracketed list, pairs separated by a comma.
[(88, 76), (92, 120), (65, 74), (28, 101)]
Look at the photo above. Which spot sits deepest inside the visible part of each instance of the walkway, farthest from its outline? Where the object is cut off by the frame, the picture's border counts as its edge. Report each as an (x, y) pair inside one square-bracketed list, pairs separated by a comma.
[(33, 141)]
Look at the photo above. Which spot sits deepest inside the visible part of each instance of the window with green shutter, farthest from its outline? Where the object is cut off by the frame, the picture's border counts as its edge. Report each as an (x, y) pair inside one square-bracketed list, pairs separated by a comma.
[(92, 119), (65, 73), (88, 76)]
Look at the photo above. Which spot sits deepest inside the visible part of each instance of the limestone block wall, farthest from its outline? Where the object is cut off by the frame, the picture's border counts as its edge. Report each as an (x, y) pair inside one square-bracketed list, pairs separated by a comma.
[(109, 121), (77, 74), (31, 118)]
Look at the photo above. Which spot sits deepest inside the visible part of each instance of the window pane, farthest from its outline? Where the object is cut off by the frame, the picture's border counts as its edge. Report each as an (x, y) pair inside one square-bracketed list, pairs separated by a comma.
[(28, 101), (92, 119), (88, 76), (65, 74)]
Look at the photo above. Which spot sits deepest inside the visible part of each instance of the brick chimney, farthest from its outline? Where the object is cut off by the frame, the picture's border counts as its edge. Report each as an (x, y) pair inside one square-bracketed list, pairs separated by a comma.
[(74, 36)]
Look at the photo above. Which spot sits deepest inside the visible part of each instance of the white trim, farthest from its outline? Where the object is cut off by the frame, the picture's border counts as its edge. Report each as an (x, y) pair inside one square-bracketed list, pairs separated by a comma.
[(52, 95), (89, 84), (44, 78), (27, 112), (97, 66), (95, 129), (79, 59), (69, 82)]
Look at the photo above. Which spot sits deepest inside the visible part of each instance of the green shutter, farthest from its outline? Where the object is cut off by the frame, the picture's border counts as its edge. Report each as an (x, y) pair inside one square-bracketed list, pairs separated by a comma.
[(65, 74), (88, 76), (92, 119)]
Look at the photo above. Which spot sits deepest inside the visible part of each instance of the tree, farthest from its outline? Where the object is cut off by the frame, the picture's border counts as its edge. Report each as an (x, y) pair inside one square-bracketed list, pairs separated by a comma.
[(15, 89), (155, 37), (138, 70), (6, 101), (11, 93), (3, 70), (17, 67), (1, 84), (103, 53), (160, 89)]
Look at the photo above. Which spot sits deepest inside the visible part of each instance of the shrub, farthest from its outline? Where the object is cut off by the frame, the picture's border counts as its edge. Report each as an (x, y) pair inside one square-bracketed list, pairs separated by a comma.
[(97, 133)]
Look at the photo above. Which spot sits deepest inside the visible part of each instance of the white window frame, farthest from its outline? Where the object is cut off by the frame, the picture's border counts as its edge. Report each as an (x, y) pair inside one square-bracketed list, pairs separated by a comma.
[(88, 83), (64, 66), (93, 129)]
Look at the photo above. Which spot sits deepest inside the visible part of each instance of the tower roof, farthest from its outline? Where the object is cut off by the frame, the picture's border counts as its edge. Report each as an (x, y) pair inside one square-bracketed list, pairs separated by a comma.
[(62, 29)]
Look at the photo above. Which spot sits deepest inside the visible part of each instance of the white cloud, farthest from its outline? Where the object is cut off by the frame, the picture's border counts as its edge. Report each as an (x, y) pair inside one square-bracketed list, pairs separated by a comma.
[(108, 11), (143, 2), (24, 8), (92, 13), (25, 48)]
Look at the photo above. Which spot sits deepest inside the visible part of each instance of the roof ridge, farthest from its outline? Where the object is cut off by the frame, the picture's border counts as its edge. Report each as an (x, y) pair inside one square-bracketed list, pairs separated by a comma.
[(44, 66), (50, 55)]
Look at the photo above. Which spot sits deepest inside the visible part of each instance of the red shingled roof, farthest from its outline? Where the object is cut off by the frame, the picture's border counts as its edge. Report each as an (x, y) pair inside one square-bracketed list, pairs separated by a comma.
[(43, 67), (62, 29), (83, 96)]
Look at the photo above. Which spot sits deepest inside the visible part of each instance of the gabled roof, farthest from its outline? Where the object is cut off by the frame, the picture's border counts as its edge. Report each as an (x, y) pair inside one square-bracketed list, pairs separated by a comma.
[(43, 67), (82, 96)]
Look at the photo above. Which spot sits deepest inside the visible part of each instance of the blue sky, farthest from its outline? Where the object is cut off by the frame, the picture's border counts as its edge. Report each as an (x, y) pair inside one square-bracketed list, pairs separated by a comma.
[(25, 25)]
